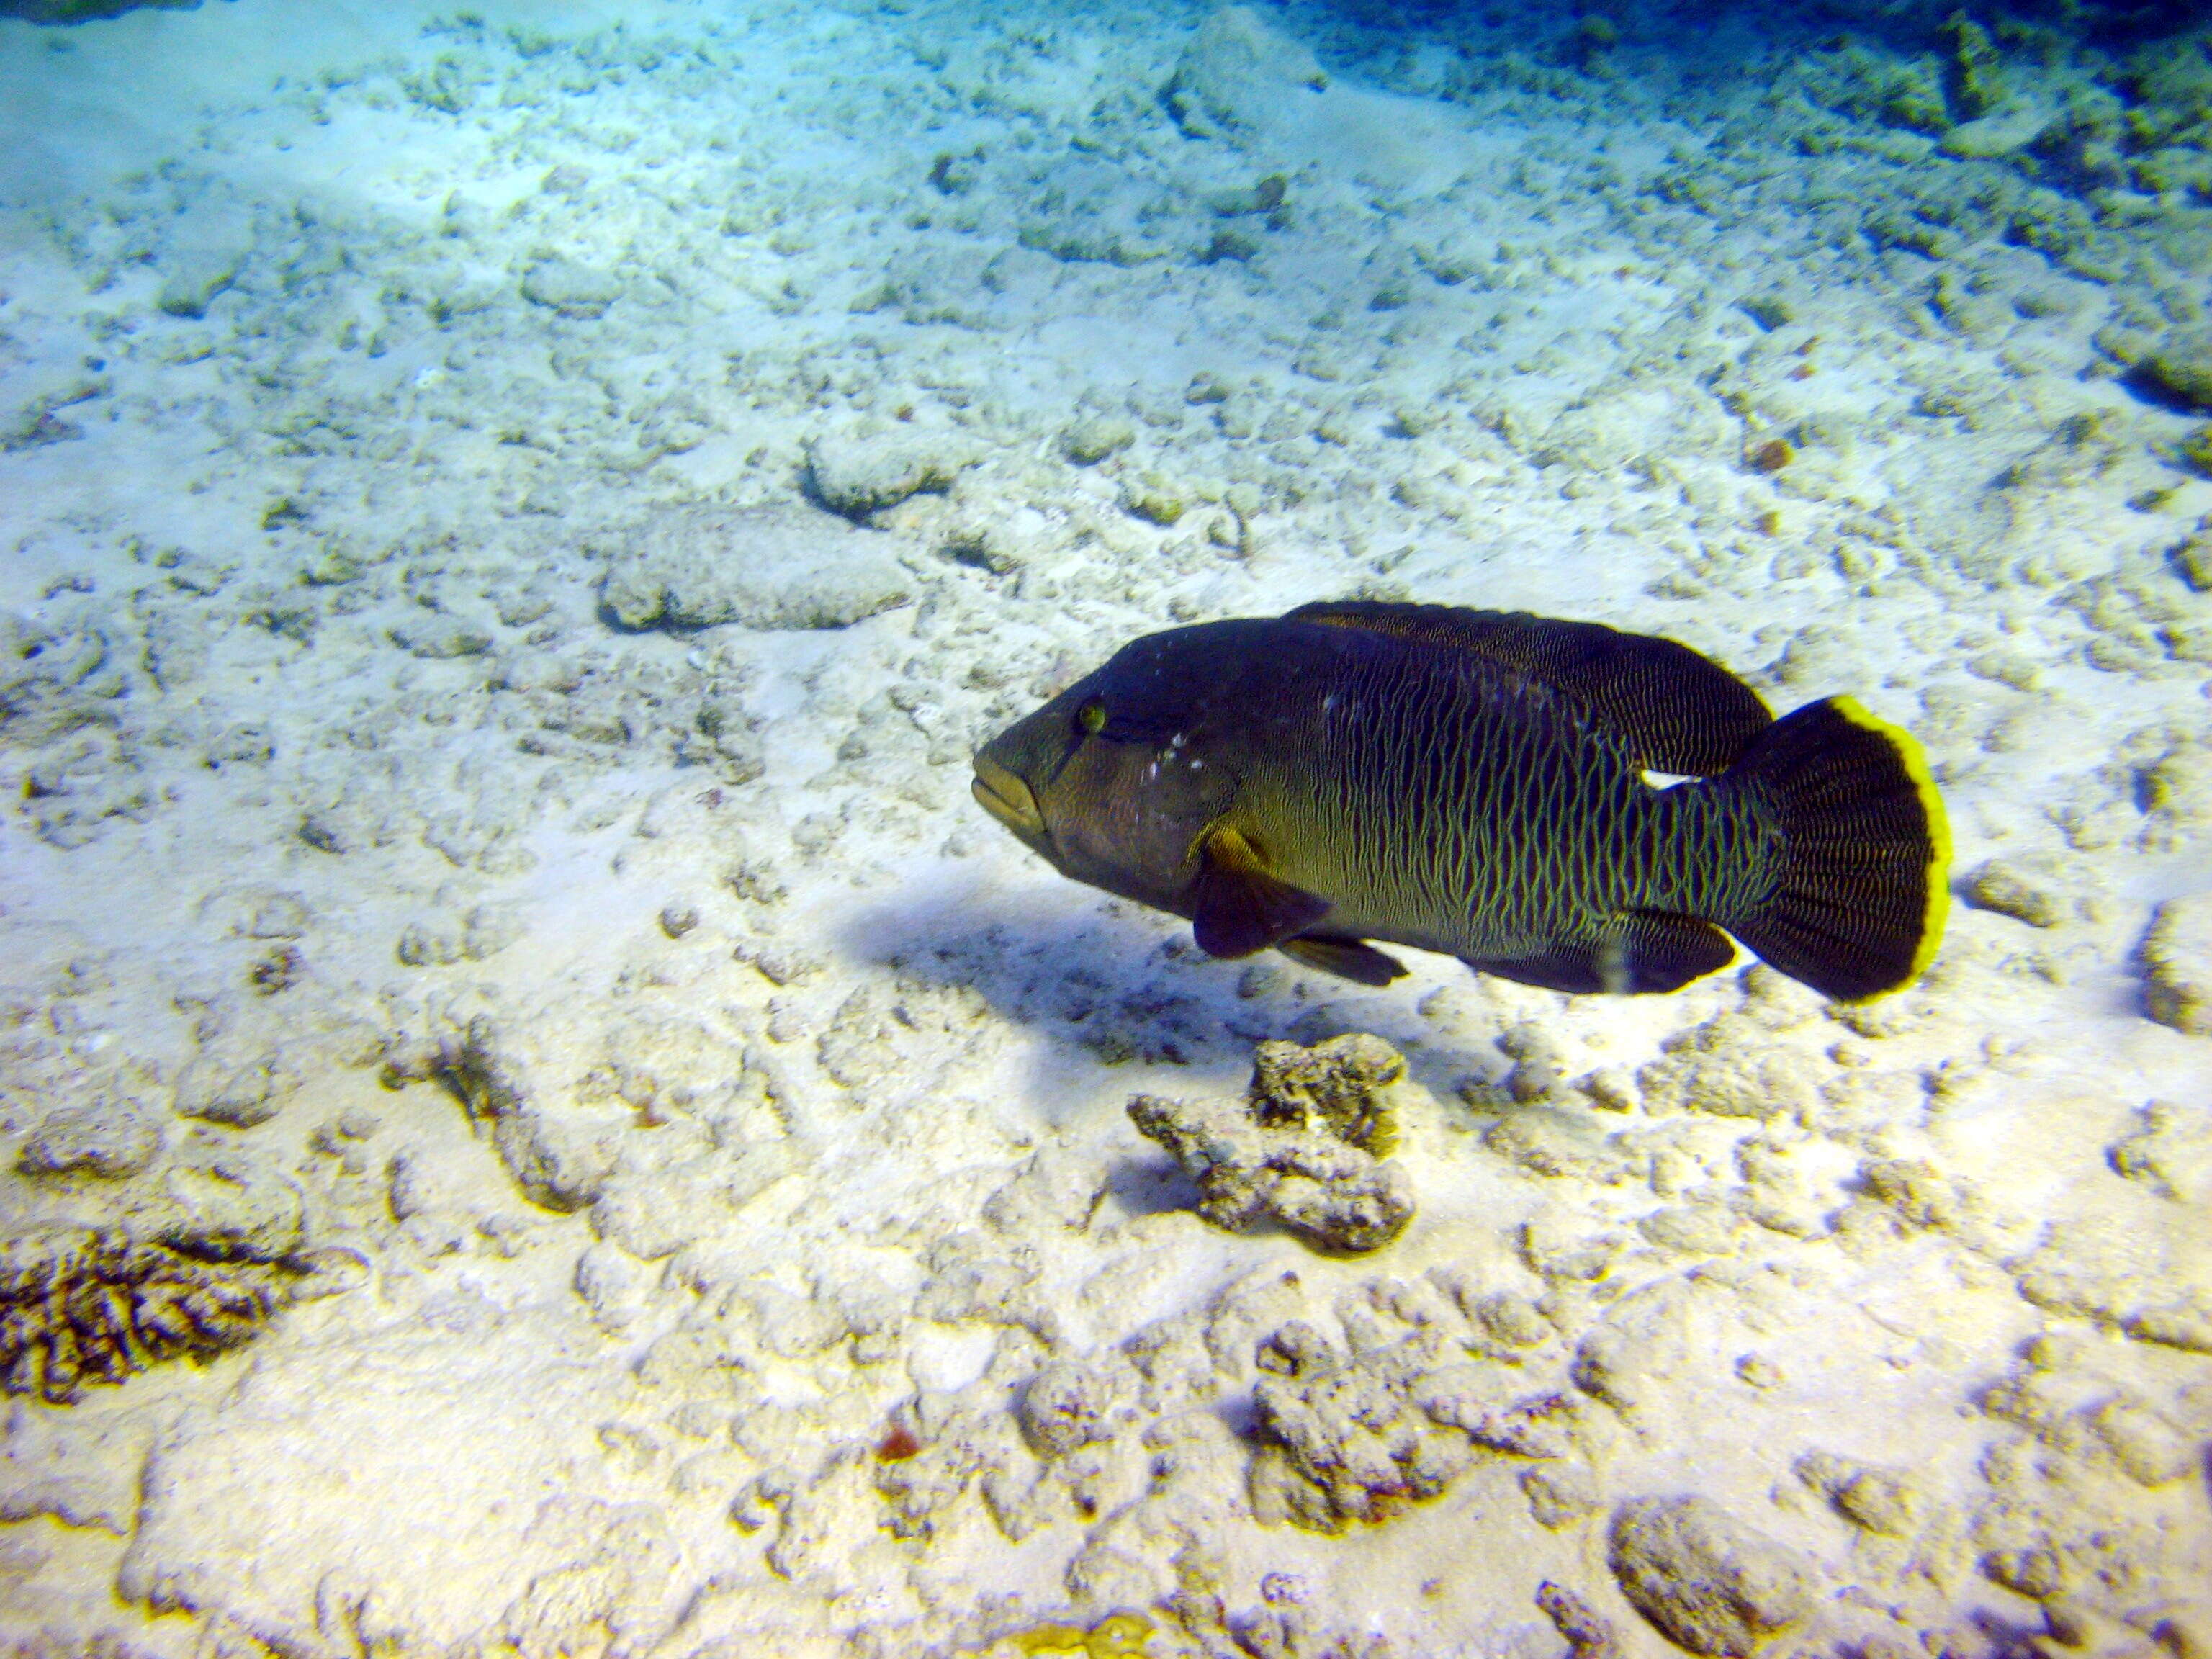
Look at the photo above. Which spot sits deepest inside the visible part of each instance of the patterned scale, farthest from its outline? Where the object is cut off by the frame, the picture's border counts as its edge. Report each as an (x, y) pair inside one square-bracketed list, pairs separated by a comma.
[(1475, 808), (1451, 800)]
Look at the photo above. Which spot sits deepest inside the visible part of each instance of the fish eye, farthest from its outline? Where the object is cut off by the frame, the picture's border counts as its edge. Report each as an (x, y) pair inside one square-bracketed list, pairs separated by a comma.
[(1091, 717)]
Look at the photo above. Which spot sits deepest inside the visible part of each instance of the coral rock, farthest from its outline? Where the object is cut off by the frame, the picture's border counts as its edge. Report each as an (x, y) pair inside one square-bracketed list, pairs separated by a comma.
[(856, 474), (2177, 959), (1879, 1500), (240, 1095), (1068, 1406), (1332, 1195), (1342, 1440), (575, 291), (1237, 76), (765, 566), (108, 1139), (2181, 368), (2005, 888), (1589, 1634), (1303, 1149), (1093, 439), (2171, 1154), (560, 1162), (1706, 1582), (1335, 1088)]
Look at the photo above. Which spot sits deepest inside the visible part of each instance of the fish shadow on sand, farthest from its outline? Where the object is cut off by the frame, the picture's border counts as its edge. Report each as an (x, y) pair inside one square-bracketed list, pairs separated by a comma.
[(1105, 985), (1149, 1183), (1098, 981)]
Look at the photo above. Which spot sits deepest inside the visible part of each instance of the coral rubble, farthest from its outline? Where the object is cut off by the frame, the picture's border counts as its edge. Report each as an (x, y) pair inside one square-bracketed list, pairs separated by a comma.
[(1322, 1179)]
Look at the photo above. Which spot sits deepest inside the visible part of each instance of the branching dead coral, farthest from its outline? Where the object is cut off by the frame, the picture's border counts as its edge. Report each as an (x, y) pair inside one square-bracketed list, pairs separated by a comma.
[(79, 1308)]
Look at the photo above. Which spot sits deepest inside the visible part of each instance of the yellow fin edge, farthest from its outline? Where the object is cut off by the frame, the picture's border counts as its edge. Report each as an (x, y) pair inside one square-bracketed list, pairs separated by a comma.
[(1914, 759)]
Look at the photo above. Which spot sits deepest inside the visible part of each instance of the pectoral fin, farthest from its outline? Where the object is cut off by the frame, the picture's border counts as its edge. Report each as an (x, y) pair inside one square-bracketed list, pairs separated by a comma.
[(1238, 907), (1347, 958)]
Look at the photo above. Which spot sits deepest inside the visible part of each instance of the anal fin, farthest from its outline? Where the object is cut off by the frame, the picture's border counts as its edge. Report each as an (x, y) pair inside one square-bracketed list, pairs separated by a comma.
[(1237, 907), (1662, 951), (1347, 958)]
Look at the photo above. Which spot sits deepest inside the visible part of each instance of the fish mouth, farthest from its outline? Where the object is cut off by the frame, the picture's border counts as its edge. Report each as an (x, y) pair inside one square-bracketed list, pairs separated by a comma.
[(1007, 799)]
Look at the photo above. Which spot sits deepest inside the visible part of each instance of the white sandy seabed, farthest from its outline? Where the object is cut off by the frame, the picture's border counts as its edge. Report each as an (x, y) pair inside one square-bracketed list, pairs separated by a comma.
[(494, 914)]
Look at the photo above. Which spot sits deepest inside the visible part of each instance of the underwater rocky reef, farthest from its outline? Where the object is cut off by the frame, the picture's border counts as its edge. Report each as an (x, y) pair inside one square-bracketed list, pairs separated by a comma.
[(538, 1117)]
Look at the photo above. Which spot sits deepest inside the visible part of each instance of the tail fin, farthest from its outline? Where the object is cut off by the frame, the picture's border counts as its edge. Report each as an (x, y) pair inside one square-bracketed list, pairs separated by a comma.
[(1857, 909)]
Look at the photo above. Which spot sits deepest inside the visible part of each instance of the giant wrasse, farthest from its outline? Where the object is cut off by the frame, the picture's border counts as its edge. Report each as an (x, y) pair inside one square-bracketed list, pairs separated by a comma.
[(1475, 782)]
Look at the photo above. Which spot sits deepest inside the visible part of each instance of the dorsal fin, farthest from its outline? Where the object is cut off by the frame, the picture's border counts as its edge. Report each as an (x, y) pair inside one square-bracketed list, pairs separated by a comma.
[(1682, 712)]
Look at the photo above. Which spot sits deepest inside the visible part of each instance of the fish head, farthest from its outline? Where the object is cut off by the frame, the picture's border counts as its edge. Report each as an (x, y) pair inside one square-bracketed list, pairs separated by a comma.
[(1114, 781)]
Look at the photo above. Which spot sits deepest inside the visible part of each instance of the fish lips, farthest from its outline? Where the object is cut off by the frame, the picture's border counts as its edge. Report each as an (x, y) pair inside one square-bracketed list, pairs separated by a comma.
[(1007, 799)]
